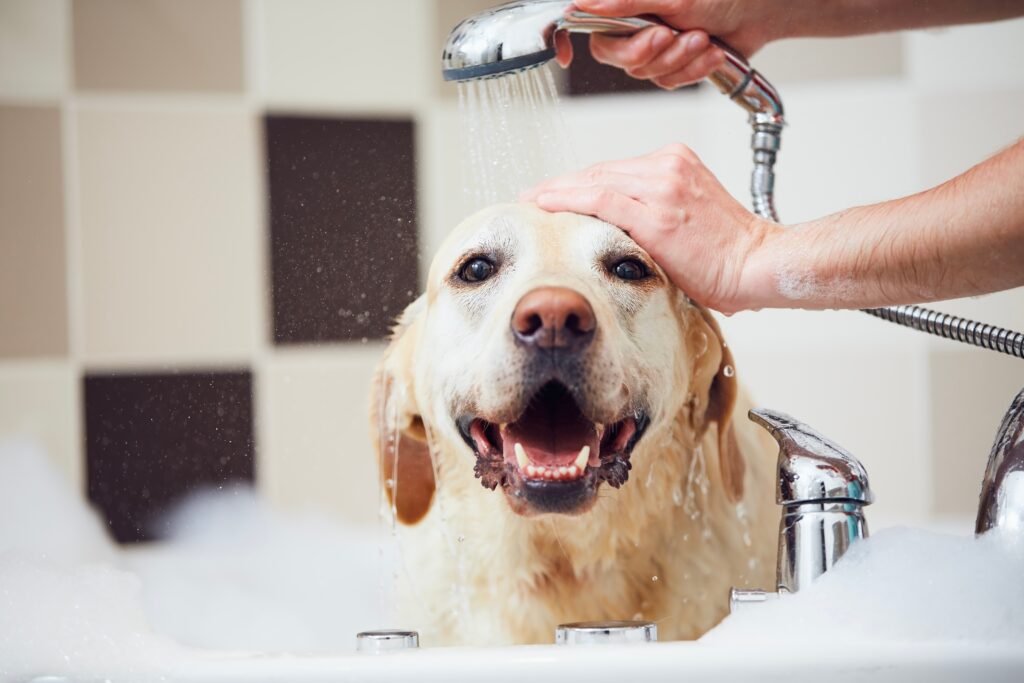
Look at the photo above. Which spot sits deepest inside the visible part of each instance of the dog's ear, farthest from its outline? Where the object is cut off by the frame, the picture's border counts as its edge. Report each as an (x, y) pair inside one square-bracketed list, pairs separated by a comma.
[(715, 374), (396, 426)]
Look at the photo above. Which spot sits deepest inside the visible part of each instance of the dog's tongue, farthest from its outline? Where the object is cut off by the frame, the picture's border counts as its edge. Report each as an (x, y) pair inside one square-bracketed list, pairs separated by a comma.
[(552, 431)]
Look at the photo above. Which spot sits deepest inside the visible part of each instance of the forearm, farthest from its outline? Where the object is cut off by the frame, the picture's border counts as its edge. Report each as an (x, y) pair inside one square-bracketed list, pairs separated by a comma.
[(856, 17), (962, 238)]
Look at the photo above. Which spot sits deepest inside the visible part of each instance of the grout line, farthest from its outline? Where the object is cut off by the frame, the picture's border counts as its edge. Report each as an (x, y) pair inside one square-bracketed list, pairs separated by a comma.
[(73, 252)]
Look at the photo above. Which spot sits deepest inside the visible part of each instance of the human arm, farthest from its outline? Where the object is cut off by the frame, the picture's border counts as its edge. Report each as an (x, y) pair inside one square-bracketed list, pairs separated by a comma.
[(962, 238), (671, 60)]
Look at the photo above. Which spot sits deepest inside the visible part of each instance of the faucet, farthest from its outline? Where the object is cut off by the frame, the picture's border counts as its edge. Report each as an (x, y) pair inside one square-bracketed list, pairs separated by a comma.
[(822, 489), (1001, 505)]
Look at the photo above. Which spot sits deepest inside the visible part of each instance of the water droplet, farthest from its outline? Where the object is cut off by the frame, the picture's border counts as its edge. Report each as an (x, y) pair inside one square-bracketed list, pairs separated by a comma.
[(654, 578), (677, 497), (461, 538), (728, 371), (389, 483)]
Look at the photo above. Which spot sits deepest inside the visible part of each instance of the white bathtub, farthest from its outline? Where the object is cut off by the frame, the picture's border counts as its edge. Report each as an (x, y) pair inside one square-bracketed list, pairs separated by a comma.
[(676, 662)]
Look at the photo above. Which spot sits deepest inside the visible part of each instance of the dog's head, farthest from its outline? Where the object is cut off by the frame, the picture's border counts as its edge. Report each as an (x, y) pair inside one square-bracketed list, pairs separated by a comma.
[(546, 347)]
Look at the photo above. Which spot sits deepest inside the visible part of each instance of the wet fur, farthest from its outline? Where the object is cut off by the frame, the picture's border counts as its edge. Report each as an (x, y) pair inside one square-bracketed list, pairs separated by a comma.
[(695, 518)]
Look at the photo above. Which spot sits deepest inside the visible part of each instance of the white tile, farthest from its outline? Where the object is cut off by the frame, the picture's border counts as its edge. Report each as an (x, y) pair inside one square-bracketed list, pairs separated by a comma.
[(846, 145), (980, 56), (970, 392), (351, 55), (171, 234), (957, 129), (831, 59), (39, 401), (874, 403), (316, 450), (33, 47)]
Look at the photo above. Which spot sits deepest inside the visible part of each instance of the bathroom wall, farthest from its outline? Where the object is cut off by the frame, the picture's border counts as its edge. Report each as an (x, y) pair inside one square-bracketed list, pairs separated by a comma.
[(210, 209)]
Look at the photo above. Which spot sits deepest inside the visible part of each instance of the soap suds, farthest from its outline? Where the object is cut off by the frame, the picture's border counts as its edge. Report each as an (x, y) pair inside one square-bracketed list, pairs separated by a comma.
[(900, 585), (234, 574)]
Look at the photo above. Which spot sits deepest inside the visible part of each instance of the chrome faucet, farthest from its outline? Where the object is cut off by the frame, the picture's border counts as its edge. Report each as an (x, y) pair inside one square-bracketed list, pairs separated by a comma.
[(1001, 505), (822, 489)]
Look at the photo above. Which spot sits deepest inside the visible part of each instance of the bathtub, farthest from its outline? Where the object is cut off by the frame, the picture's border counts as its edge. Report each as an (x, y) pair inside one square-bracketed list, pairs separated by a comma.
[(678, 661)]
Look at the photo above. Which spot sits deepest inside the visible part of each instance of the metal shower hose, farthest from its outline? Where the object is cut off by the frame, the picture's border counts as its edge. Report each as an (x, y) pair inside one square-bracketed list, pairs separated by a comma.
[(765, 143)]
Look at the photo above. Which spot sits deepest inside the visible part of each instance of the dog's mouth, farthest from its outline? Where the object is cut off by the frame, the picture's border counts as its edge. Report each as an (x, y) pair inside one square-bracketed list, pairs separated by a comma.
[(552, 455)]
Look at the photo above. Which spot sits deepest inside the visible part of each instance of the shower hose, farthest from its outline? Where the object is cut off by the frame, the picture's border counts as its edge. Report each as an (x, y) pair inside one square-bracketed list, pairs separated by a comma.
[(765, 144)]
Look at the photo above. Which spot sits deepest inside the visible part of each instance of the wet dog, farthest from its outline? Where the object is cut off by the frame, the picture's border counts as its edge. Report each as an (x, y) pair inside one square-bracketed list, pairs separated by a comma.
[(561, 432)]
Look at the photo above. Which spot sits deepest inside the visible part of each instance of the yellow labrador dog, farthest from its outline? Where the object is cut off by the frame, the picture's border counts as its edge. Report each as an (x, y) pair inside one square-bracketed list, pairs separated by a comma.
[(560, 427)]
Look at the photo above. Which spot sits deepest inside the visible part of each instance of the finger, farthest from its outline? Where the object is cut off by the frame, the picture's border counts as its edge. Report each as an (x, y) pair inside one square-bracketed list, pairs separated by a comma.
[(612, 207), (629, 8), (684, 49), (633, 51), (563, 49), (700, 68)]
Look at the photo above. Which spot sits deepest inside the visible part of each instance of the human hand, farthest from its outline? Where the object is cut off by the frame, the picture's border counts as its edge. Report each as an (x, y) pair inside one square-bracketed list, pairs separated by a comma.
[(672, 59), (674, 208)]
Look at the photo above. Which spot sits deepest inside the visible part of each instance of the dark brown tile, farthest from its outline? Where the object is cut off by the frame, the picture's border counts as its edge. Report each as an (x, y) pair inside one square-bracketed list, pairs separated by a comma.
[(151, 439), (342, 226), (587, 76)]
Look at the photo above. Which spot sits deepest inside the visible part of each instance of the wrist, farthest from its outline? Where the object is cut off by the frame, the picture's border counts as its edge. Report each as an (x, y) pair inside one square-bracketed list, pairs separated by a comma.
[(757, 285)]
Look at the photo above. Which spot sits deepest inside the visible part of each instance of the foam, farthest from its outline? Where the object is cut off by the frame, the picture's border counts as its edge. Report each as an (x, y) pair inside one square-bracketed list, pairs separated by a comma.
[(233, 574), (236, 574), (899, 585)]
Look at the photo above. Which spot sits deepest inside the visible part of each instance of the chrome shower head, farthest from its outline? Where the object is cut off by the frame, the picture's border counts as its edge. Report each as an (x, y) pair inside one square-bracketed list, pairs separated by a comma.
[(502, 40), (520, 35)]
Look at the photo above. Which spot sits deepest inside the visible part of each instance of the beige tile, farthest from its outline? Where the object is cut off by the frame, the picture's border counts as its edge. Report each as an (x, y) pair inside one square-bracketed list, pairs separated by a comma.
[(191, 45), (33, 285), (316, 448), (958, 128), (970, 392), (33, 47), (832, 59), (367, 56), (39, 401), (171, 234)]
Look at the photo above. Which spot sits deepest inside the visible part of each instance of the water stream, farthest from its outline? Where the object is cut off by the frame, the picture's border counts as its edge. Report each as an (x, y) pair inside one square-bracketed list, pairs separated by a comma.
[(513, 135)]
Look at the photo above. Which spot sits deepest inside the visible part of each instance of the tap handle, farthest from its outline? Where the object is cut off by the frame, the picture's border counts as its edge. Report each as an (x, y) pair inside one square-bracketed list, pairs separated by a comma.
[(1001, 504), (811, 467)]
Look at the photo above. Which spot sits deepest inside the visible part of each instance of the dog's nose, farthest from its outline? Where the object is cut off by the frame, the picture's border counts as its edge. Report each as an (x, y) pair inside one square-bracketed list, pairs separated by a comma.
[(554, 318)]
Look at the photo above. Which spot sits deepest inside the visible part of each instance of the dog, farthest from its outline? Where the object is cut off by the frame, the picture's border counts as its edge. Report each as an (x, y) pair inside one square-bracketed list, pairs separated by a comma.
[(562, 438)]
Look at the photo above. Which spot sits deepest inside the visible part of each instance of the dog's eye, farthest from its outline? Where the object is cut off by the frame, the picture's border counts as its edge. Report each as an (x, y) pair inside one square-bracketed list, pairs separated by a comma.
[(630, 269), (476, 270)]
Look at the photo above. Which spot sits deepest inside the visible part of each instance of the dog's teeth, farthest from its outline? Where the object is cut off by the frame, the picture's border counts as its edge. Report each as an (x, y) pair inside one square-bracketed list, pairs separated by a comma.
[(582, 458), (531, 471), (563, 471), (573, 472), (521, 458)]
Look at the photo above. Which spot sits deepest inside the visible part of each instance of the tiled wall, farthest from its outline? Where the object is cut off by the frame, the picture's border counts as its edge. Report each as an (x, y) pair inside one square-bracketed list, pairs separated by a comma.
[(209, 210)]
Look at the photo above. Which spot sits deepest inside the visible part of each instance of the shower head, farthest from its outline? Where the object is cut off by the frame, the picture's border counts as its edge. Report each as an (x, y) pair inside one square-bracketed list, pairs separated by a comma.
[(502, 40), (520, 35), (517, 36)]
